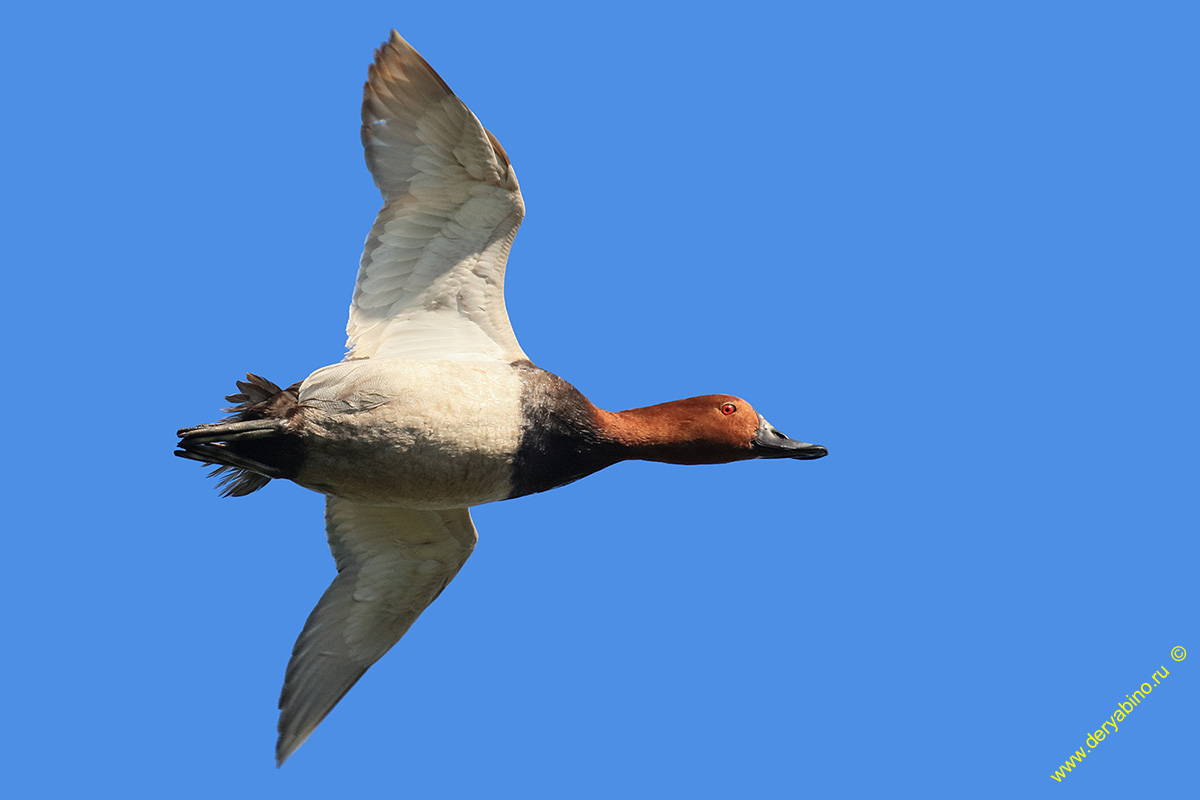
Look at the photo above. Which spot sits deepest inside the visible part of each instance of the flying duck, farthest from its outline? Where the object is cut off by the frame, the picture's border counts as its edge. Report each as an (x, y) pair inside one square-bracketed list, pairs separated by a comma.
[(436, 408)]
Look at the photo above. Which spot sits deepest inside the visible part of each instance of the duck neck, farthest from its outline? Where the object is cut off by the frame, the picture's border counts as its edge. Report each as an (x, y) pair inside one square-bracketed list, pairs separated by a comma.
[(665, 433)]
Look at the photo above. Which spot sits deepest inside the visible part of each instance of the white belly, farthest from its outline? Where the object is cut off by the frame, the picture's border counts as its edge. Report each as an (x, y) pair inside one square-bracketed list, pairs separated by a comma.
[(418, 434)]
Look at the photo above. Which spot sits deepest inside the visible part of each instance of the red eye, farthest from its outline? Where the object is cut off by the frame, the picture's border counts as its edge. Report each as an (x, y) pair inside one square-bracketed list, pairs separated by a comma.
[(728, 409)]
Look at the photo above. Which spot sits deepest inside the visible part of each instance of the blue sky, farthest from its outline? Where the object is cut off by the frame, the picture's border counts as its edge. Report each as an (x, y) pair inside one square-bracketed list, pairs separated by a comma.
[(954, 244)]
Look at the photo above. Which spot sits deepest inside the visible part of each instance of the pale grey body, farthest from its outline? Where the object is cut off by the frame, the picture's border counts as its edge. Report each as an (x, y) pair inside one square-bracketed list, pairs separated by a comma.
[(418, 434)]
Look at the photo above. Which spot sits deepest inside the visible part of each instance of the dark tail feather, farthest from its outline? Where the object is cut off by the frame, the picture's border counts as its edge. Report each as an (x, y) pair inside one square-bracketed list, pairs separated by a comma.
[(255, 391), (253, 444), (241, 475)]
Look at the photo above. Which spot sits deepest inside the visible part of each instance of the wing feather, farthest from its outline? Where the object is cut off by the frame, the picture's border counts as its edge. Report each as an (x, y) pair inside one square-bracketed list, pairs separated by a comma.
[(392, 563), (431, 280)]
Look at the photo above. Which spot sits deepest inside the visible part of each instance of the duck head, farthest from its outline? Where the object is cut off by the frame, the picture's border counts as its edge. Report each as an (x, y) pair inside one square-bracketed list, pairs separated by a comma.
[(711, 429)]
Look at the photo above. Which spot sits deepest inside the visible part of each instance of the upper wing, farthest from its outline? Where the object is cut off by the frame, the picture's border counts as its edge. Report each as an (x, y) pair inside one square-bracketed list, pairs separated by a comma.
[(392, 563), (431, 280)]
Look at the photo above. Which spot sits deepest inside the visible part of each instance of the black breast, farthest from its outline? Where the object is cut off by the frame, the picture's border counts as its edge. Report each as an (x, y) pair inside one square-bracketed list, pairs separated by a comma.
[(561, 440)]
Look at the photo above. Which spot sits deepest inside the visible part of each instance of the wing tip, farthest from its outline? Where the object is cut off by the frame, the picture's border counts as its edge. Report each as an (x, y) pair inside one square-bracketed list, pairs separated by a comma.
[(285, 747), (395, 58), (398, 42), (396, 51)]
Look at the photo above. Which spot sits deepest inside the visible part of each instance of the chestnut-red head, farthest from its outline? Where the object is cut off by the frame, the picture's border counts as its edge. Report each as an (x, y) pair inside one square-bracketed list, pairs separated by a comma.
[(712, 429)]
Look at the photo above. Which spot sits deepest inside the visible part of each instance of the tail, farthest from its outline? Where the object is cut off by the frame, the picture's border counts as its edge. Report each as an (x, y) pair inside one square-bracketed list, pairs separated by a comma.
[(254, 443)]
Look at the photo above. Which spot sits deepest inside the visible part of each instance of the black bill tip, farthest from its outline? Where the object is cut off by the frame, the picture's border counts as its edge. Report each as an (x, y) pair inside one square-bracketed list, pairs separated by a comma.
[(770, 443)]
